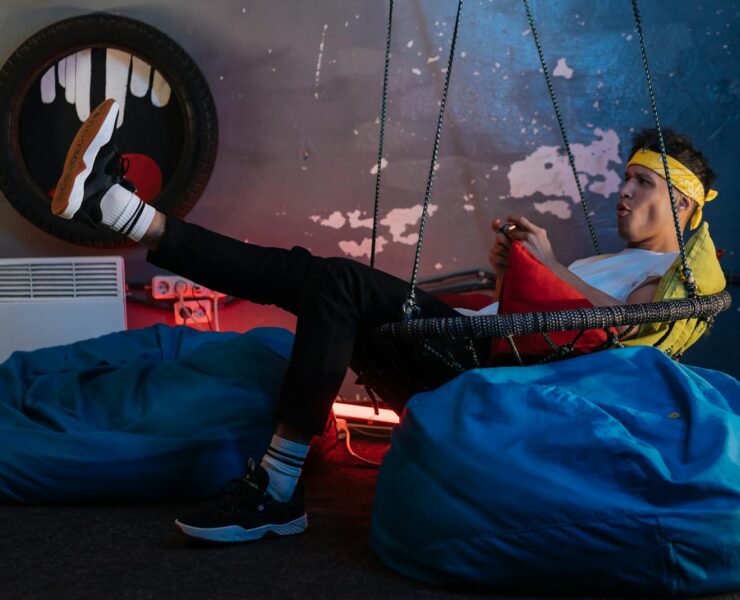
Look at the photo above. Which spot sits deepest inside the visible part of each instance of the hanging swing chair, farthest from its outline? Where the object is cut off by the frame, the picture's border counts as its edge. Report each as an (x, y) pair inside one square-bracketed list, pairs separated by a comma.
[(612, 473), (417, 353)]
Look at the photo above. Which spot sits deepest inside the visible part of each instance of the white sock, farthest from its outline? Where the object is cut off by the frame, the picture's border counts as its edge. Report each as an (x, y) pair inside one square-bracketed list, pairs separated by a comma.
[(283, 462), (126, 213)]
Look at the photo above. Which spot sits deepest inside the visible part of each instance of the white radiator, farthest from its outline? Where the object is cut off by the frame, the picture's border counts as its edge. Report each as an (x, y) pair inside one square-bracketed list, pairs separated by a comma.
[(52, 301)]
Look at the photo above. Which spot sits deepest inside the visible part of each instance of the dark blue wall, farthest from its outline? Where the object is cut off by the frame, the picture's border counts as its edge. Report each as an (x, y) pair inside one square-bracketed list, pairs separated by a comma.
[(297, 87)]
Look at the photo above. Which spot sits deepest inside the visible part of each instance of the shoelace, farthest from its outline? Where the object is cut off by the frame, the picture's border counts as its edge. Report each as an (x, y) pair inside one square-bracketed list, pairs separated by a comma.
[(229, 487), (123, 163), (239, 490), (118, 166)]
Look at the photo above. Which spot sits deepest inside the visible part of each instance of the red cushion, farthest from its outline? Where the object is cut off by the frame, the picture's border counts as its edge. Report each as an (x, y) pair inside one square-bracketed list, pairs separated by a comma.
[(529, 286), (470, 301)]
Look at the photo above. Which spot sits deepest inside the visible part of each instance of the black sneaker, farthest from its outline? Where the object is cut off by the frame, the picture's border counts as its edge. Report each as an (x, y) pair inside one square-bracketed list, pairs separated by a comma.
[(93, 165), (248, 512)]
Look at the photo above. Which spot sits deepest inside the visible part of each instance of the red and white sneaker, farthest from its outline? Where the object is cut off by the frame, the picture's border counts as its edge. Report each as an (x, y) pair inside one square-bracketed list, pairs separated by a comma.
[(93, 165)]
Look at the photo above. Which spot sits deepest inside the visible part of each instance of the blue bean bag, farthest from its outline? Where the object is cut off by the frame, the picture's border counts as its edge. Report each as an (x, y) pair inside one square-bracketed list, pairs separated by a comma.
[(612, 473), (161, 413)]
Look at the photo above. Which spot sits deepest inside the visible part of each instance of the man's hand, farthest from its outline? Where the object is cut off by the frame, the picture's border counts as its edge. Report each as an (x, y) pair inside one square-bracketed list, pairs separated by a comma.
[(499, 253), (534, 239)]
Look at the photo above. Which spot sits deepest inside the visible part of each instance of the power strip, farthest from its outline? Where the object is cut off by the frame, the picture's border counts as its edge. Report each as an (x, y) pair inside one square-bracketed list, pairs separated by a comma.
[(173, 287), (193, 313), (366, 414)]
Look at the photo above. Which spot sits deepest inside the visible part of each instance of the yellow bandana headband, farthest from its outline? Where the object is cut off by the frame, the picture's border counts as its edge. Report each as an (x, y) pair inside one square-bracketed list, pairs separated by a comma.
[(682, 178)]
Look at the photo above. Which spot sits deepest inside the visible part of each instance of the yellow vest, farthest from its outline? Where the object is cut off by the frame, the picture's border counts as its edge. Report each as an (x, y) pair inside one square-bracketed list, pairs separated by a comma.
[(701, 256)]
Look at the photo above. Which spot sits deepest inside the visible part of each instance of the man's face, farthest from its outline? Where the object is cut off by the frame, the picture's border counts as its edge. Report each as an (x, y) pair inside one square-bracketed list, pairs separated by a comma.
[(644, 208)]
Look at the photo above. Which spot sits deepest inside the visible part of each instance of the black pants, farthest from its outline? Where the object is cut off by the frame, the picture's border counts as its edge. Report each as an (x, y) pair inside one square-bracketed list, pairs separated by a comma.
[(335, 299)]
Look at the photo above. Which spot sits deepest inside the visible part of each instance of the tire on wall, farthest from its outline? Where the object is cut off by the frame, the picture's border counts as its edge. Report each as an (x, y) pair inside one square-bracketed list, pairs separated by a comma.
[(168, 128)]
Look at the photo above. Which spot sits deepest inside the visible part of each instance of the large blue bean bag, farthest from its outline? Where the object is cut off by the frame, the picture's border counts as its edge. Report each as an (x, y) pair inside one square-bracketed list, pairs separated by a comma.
[(162, 413), (617, 472)]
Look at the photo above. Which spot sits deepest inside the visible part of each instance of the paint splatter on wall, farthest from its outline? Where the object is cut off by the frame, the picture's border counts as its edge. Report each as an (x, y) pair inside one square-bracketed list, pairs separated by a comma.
[(547, 171), (399, 223), (298, 90)]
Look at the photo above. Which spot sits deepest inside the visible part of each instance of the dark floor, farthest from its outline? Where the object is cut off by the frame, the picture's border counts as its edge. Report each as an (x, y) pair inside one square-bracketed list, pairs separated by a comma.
[(135, 552)]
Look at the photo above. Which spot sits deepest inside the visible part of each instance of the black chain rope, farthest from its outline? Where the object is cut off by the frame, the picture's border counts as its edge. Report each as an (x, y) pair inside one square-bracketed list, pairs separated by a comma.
[(688, 282), (559, 116), (383, 106), (410, 307), (510, 339)]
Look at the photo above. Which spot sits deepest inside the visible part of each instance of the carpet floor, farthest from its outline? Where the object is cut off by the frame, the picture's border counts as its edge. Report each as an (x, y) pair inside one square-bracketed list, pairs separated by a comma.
[(135, 552)]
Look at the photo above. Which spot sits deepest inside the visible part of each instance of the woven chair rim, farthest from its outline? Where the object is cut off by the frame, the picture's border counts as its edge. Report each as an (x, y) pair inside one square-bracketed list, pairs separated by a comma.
[(665, 311)]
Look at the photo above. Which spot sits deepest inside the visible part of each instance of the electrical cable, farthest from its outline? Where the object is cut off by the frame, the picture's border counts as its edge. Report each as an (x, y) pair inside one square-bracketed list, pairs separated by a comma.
[(342, 427), (215, 311), (376, 431)]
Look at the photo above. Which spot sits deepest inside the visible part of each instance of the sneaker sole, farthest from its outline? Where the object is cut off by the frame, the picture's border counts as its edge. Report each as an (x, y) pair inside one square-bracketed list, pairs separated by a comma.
[(95, 132), (234, 533)]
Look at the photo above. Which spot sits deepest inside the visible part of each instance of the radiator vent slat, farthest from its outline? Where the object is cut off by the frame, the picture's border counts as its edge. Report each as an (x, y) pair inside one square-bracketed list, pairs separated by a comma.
[(44, 280)]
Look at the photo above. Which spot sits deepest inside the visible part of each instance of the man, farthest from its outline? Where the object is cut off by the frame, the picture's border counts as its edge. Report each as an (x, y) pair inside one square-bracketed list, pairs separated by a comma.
[(338, 300)]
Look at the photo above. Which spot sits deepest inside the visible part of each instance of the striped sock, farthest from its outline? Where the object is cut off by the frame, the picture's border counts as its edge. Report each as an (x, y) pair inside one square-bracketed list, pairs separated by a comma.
[(283, 462), (126, 213)]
